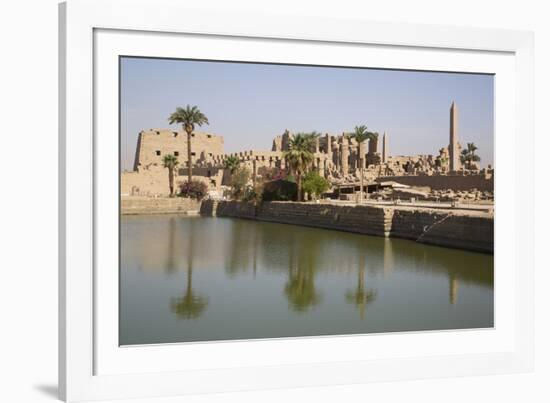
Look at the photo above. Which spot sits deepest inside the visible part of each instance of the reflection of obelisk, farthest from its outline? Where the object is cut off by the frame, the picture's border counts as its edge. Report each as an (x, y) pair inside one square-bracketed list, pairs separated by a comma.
[(454, 161), (453, 289), (388, 257)]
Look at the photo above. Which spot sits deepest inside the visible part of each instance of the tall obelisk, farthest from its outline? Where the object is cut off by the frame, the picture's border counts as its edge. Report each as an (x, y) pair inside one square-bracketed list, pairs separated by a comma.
[(384, 148), (454, 157)]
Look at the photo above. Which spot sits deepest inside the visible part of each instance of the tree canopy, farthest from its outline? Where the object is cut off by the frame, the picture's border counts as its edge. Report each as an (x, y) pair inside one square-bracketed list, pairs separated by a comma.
[(188, 117)]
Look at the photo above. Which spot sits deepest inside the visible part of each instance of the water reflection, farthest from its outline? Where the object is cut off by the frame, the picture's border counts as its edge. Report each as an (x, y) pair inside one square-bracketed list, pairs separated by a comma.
[(361, 296), (191, 305), (246, 279), (453, 288), (300, 287)]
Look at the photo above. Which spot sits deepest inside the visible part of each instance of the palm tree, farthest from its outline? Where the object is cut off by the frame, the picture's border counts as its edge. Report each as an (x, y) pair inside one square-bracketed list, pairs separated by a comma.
[(468, 155), (170, 162), (231, 163), (188, 117), (360, 134), (300, 156)]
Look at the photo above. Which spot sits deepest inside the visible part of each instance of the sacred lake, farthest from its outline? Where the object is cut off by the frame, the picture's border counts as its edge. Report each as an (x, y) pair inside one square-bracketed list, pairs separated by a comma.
[(186, 279)]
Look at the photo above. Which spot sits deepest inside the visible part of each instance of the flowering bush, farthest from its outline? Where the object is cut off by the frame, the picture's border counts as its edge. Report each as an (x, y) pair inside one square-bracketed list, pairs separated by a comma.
[(194, 189)]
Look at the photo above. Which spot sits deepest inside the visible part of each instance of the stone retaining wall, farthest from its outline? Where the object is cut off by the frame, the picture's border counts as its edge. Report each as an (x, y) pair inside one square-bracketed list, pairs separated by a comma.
[(462, 230), (361, 219), (160, 205), (445, 228)]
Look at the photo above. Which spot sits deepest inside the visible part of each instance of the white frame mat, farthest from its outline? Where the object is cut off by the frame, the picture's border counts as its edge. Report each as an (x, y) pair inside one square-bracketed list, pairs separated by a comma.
[(94, 33)]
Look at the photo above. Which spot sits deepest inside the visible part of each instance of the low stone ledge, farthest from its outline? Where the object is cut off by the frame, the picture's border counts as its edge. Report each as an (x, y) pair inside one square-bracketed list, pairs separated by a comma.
[(437, 227), (160, 205)]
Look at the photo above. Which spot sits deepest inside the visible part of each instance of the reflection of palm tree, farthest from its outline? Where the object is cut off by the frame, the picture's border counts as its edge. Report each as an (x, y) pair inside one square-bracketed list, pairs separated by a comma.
[(239, 257), (170, 266), (190, 306), (300, 287), (360, 297)]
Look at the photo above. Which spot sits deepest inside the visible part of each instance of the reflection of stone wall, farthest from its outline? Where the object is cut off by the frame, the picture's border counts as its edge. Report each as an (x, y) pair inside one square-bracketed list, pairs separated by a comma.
[(438, 227), (442, 182)]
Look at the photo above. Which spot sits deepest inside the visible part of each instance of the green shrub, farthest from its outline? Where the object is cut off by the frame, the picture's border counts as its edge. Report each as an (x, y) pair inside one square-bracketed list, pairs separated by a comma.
[(315, 184), (279, 190), (239, 182)]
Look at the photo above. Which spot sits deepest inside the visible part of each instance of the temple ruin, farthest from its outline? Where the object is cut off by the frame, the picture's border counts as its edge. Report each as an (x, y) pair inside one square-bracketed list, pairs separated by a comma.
[(338, 157)]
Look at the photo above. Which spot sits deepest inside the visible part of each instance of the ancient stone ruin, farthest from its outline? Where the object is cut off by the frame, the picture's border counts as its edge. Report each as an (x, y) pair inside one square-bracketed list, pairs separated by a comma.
[(337, 157)]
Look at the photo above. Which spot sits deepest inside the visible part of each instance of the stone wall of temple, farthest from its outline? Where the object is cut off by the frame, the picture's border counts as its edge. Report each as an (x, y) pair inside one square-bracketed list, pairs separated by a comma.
[(154, 144), (154, 181)]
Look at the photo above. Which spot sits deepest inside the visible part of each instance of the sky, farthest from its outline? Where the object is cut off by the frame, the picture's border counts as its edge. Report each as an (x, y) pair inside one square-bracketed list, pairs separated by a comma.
[(249, 104)]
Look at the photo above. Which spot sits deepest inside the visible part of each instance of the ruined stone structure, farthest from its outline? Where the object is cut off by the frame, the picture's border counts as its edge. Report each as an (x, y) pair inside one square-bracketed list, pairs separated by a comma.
[(339, 158)]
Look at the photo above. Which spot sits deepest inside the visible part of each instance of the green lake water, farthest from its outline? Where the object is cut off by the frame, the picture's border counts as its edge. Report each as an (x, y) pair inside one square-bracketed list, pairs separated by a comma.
[(188, 279)]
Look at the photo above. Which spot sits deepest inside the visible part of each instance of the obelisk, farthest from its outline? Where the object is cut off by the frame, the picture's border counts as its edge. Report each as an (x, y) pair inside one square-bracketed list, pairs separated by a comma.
[(384, 148), (454, 157)]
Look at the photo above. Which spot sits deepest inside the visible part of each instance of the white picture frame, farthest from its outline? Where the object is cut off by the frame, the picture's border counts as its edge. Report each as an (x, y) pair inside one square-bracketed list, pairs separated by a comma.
[(92, 366)]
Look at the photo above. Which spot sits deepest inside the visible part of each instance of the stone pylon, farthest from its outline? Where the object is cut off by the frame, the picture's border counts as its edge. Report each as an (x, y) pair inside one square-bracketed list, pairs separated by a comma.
[(384, 148), (454, 154)]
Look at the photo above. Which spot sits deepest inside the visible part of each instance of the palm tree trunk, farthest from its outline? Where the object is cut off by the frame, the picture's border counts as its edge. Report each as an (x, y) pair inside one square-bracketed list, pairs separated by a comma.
[(189, 168), (299, 185), (171, 180), (361, 191)]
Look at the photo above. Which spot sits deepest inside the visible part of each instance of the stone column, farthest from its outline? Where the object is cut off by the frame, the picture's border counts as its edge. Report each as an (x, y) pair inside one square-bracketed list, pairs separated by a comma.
[(362, 155), (345, 156), (254, 172), (373, 146), (354, 153)]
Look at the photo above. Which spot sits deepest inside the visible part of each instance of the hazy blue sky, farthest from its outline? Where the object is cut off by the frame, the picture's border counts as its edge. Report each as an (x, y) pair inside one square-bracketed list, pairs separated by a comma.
[(249, 104)]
